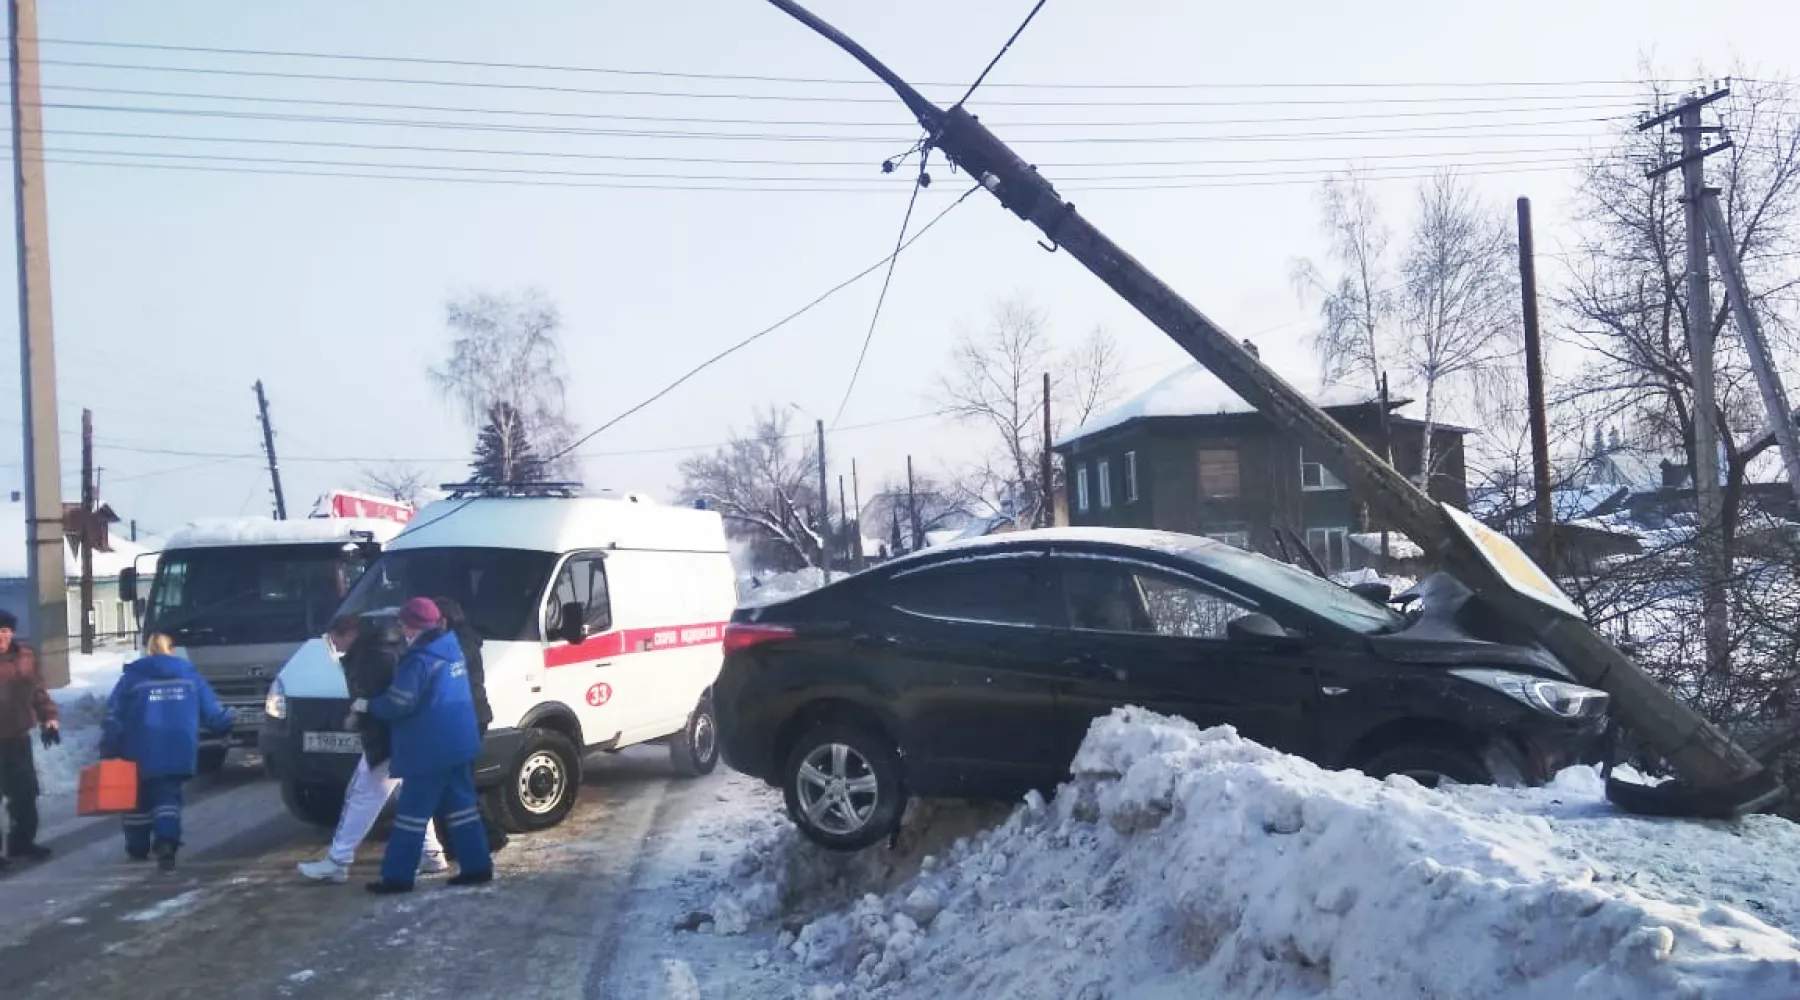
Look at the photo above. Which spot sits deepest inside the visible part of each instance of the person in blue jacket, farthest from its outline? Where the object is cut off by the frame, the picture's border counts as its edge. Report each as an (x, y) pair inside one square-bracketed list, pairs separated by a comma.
[(430, 712), (154, 719)]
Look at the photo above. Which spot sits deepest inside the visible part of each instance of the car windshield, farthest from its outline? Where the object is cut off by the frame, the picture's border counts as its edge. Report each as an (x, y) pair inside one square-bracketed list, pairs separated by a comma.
[(498, 588), (1301, 589), (249, 594)]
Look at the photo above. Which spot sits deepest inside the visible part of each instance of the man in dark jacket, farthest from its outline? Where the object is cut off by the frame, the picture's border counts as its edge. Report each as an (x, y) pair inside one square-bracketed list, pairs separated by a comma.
[(368, 652), (23, 702), (154, 719), (436, 741)]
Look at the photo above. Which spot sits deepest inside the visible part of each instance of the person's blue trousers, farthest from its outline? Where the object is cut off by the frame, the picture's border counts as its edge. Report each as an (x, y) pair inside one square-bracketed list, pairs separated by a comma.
[(158, 815), (451, 793)]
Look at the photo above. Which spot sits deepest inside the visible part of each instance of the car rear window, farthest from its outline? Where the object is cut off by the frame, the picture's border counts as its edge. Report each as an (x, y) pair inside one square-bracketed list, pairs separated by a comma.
[(1006, 590)]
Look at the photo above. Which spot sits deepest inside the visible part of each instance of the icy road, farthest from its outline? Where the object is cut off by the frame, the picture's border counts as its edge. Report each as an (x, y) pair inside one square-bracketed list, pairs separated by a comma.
[(235, 921)]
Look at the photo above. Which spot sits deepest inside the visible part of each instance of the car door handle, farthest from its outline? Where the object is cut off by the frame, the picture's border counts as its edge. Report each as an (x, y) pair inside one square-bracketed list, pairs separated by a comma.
[(1096, 667), (1334, 691)]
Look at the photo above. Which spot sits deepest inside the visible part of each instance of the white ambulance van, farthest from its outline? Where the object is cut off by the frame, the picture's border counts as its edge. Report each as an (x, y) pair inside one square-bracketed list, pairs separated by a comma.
[(601, 622)]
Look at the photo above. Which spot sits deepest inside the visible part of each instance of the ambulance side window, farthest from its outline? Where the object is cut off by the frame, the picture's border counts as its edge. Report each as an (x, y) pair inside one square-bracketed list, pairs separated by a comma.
[(582, 580)]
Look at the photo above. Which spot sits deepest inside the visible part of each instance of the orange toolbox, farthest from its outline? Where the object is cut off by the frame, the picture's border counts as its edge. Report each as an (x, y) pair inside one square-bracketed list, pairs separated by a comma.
[(108, 787)]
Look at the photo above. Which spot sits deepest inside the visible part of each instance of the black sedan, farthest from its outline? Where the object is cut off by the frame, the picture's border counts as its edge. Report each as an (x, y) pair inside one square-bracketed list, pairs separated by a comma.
[(975, 670)]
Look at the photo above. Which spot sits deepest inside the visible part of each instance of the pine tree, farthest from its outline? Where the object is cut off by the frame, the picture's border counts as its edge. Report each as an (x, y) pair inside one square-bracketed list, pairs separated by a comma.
[(503, 451)]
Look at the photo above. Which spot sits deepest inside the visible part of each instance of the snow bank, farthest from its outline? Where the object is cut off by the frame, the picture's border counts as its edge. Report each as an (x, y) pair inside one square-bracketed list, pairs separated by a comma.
[(82, 705), (1187, 863)]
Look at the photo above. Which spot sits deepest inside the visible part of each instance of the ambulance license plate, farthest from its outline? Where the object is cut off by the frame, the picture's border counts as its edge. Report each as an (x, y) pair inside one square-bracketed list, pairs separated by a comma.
[(331, 743)]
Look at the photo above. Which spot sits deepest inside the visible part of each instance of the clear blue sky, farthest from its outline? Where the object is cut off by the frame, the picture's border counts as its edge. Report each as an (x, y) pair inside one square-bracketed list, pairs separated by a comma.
[(176, 289)]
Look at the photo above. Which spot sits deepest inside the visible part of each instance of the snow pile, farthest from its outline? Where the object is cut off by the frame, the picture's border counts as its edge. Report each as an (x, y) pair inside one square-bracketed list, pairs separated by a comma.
[(1188, 863), (82, 705), (758, 589)]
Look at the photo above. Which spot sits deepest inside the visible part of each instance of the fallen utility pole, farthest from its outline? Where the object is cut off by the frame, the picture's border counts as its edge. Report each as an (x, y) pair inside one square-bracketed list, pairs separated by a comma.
[(262, 411), (1717, 775)]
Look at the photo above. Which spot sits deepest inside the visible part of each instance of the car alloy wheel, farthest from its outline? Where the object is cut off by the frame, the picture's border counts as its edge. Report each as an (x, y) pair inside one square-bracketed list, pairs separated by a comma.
[(838, 789)]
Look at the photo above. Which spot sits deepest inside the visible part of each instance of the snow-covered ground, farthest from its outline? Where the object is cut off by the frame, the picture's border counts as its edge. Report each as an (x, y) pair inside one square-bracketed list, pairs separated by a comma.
[(1181, 862), (758, 589), (83, 707)]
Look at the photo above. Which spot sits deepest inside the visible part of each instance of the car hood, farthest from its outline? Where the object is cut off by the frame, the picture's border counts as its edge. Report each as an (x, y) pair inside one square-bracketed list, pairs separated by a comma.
[(1451, 627)]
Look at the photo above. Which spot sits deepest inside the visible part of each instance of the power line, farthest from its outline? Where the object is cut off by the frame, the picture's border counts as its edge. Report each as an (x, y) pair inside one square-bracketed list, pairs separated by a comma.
[(719, 160), (919, 184), (778, 324), (1416, 132), (739, 77), (1020, 30), (795, 98), (1614, 105)]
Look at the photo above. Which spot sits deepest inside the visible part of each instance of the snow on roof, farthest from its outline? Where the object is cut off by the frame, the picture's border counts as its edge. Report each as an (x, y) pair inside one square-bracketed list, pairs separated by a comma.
[(1193, 391), (563, 524), (224, 531), (106, 564), (1399, 546)]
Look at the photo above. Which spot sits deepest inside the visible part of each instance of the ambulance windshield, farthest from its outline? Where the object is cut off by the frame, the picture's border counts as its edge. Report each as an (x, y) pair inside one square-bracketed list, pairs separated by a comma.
[(499, 589)]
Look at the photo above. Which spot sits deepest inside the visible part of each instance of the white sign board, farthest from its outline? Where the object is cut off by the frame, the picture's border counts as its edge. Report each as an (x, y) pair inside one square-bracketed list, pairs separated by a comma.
[(1512, 565)]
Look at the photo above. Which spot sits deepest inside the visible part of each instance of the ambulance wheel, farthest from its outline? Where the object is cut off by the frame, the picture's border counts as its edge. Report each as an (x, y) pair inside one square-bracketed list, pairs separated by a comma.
[(540, 785), (312, 802), (695, 750), (212, 760)]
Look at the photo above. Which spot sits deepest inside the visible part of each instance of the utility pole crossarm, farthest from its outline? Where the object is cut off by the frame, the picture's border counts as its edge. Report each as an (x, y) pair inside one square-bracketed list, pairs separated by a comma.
[(1704, 756)]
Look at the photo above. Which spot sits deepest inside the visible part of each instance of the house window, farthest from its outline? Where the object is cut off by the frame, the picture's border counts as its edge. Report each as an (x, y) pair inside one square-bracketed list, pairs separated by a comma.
[(1314, 476), (1081, 488), (1105, 473), (1131, 477), (1218, 472), (1240, 539), (1327, 546)]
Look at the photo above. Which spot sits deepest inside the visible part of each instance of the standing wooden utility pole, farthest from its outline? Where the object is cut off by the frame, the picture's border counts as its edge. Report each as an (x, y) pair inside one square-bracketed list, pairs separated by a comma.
[(862, 558), (844, 527), (86, 536), (912, 511), (824, 508), (262, 409), (1534, 392), (1714, 568), (1046, 516), (37, 356)]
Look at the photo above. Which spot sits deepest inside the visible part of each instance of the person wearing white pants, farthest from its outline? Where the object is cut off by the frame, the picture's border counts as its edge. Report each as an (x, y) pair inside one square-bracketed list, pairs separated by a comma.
[(369, 791), (368, 664)]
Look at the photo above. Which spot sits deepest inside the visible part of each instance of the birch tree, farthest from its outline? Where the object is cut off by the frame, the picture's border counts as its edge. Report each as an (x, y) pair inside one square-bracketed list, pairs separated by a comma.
[(505, 356), (764, 484)]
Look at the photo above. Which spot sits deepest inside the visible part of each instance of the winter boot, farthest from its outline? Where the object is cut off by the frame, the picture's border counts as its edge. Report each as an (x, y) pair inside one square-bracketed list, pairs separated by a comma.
[(472, 878), (386, 888), (165, 856), (28, 852)]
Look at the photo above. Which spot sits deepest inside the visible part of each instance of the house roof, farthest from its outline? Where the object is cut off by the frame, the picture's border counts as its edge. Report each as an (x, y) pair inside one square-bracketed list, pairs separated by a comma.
[(1195, 392), (106, 564)]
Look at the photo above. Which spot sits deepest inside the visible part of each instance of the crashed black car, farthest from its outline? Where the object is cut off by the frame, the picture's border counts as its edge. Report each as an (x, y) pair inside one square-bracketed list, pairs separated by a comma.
[(974, 671)]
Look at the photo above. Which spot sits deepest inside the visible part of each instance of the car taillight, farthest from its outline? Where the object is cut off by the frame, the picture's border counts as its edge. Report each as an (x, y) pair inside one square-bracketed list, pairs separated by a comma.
[(740, 636)]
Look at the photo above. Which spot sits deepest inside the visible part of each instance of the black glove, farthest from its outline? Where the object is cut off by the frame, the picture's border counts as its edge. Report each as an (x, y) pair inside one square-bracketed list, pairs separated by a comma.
[(50, 736)]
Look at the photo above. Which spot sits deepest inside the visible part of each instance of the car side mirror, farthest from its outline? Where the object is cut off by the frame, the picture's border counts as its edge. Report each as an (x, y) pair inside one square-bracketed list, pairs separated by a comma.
[(128, 584), (1259, 629), (1375, 591), (571, 627)]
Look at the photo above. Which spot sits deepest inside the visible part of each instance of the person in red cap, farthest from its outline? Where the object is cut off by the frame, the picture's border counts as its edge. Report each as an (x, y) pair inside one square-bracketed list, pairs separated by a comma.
[(431, 712)]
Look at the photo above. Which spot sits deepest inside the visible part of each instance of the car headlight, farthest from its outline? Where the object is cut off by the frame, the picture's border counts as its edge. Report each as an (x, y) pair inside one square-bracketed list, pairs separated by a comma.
[(1559, 698), (275, 705)]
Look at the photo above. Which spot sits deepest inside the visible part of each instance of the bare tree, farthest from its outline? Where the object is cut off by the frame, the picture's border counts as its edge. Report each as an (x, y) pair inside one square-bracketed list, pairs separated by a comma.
[(763, 483), (1357, 308), (995, 382), (1459, 299), (505, 357), (397, 480)]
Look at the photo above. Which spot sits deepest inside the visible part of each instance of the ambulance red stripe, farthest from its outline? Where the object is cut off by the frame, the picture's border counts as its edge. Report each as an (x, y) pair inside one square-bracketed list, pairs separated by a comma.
[(624, 642)]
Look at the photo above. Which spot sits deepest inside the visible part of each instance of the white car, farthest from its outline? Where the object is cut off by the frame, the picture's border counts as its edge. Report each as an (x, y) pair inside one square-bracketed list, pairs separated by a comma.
[(601, 622)]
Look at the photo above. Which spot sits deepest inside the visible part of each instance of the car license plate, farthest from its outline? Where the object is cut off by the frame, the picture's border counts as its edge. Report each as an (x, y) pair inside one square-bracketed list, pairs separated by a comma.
[(331, 743)]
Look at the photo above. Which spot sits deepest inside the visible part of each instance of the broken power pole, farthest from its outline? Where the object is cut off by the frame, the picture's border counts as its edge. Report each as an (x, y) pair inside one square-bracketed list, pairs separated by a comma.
[(268, 430)]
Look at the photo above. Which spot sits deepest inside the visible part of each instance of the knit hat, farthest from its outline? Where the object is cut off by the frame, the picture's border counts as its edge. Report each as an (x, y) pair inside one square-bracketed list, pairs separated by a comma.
[(420, 613), (9, 620)]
